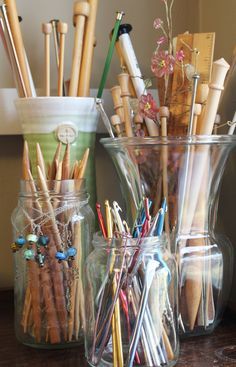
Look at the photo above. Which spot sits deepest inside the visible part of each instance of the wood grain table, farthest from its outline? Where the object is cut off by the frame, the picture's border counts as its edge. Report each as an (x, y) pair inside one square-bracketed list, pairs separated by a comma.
[(207, 351)]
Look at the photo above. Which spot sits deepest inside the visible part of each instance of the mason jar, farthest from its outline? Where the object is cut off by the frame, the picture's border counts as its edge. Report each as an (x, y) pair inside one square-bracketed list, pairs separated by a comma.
[(131, 308), (52, 231)]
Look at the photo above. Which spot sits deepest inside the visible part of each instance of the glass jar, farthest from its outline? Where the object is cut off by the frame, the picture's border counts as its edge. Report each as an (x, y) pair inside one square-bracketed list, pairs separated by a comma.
[(52, 237), (187, 171), (131, 304)]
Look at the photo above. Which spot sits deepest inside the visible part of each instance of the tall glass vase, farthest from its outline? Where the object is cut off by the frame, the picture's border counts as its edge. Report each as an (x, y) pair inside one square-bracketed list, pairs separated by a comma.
[(187, 171)]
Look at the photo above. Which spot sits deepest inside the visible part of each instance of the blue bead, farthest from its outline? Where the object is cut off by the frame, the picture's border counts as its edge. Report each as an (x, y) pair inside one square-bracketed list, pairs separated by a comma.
[(60, 256), (43, 240), (20, 241), (71, 251)]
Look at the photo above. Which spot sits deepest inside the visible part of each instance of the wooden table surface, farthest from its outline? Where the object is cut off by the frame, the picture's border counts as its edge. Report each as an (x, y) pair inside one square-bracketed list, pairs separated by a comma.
[(195, 352)]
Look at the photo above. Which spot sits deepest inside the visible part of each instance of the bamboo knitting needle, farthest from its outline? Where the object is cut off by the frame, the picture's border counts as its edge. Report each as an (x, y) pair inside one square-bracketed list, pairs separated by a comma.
[(40, 160), (66, 164), (83, 165), (62, 29), (18, 42), (81, 12), (86, 65), (47, 30), (125, 94), (12, 52), (54, 165), (25, 162)]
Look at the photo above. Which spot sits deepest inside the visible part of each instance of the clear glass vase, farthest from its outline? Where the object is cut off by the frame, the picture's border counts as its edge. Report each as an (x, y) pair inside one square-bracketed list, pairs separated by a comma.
[(187, 171), (131, 305), (52, 233)]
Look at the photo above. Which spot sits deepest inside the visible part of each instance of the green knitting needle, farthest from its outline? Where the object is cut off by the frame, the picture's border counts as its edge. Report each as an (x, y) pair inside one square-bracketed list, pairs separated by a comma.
[(119, 17)]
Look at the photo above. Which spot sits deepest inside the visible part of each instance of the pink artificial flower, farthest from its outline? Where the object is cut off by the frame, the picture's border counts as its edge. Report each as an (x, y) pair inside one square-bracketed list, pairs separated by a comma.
[(180, 55), (161, 40), (162, 63), (148, 107), (157, 23)]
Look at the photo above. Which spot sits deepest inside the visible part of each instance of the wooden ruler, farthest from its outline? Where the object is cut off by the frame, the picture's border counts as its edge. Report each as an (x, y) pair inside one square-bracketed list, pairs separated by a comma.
[(181, 88)]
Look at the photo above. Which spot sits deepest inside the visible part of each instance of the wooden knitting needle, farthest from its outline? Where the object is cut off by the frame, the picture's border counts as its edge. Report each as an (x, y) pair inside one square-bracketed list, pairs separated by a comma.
[(117, 102), (140, 126), (83, 165), (125, 94), (40, 160), (116, 123), (219, 70), (164, 115), (81, 12), (74, 170), (55, 162), (62, 29), (18, 42), (201, 97), (124, 67), (197, 112), (66, 164), (25, 162), (12, 52), (47, 30), (86, 65)]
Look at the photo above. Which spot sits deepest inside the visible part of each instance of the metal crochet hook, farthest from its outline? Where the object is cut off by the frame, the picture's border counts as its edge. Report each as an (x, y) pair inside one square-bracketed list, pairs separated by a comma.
[(149, 275)]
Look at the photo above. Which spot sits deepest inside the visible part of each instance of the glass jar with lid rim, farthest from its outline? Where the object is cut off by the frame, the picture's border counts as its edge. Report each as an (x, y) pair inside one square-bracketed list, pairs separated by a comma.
[(52, 237), (131, 306)]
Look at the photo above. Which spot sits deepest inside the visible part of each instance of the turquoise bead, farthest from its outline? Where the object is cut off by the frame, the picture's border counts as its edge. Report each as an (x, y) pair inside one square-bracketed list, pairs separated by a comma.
[(32, 238), (43, 240), (20, 241), (29, 254), (71, 252), (60, 256)]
